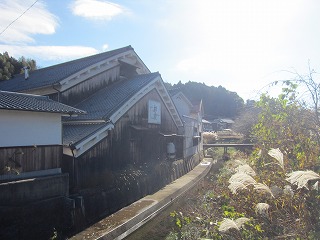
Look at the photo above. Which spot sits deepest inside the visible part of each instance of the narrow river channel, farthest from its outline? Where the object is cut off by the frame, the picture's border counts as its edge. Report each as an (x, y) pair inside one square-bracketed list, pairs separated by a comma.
[(160, 226)]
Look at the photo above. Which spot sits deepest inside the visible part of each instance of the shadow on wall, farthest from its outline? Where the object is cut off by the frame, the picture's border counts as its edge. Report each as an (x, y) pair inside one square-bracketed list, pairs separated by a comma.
[(128, 186)]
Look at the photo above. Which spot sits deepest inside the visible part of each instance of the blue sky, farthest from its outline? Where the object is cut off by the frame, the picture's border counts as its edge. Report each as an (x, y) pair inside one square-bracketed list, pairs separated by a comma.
[(241, 45)]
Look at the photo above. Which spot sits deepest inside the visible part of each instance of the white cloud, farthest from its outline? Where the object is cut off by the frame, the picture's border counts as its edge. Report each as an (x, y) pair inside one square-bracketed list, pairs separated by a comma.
[(105, 47), (37, 20), (96, 10), (48, 53)]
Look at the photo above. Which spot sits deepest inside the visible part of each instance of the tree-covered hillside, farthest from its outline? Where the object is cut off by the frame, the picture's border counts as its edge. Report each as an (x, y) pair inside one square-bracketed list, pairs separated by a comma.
[(10, 66), (218, 102)]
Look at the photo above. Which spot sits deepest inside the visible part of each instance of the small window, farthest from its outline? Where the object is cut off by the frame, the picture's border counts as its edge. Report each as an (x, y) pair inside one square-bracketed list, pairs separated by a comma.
[(195, 130), (195, 141)]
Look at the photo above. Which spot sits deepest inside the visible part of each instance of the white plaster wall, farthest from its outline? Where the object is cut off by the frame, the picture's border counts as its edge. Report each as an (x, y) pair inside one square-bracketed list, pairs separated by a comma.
[(181, 106), (189, 133), (23, 128)]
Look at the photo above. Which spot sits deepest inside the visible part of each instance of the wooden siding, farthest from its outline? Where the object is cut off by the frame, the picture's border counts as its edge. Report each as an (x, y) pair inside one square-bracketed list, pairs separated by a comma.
[(126, 70), (31, 158), (88, 87), (132, 141)]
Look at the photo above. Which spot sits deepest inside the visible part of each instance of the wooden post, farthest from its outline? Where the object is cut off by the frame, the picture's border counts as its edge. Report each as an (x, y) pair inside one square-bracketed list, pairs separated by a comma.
[(225, 150)]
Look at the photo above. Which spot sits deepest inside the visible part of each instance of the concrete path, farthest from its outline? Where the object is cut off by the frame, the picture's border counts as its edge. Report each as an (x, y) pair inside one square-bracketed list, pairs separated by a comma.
[(128, 219)]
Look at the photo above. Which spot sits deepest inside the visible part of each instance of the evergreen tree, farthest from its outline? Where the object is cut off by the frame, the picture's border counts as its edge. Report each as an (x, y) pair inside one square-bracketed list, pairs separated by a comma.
[(10, 66)]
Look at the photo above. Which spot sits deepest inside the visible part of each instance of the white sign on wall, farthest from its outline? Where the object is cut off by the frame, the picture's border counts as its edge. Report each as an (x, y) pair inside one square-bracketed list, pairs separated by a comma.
[(154, 112)]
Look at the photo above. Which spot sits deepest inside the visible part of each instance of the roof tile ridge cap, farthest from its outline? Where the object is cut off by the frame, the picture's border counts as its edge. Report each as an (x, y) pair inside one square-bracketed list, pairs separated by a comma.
[(126, 48), (123, 49), (83, 58), (112, 52), (24, 94)]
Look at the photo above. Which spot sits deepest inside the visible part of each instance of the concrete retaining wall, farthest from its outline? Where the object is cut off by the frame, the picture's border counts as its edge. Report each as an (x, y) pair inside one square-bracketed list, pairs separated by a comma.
[(36, 220), (129, 185), (128, 219), (34, 189)]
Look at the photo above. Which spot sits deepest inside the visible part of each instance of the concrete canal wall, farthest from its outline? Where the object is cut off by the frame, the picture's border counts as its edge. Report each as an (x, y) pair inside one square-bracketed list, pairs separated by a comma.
[(125, 187), (130, 218), (39, 207)]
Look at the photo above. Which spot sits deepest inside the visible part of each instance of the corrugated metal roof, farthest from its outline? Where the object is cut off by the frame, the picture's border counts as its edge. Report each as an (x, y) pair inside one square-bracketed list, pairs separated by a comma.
[(27, 102), (53, 74)]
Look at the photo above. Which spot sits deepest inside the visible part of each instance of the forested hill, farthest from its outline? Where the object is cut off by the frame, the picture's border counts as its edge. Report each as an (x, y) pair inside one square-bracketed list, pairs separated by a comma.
[(218, 102)]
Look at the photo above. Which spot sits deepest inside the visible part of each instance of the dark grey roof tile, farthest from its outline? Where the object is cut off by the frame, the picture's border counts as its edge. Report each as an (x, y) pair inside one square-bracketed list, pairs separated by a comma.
[(27, 102), (101, 106), (73, 133), (53, 74), (108, 100)]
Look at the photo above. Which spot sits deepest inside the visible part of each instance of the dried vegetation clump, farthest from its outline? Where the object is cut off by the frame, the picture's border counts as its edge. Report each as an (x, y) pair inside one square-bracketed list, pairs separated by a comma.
[(246, 202), (209, 137)]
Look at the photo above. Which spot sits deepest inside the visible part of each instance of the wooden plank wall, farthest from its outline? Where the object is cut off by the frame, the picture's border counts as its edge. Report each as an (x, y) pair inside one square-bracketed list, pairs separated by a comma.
[(88, 87), (31, 158), (126, 144)]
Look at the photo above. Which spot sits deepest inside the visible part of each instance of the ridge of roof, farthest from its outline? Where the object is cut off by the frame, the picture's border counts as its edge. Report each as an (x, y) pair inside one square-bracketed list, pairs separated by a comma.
[(55, 73)]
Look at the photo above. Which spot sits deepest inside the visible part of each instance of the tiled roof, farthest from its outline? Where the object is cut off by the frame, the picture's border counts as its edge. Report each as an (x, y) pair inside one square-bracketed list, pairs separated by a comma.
[(104, 103), (101, 105), (53, 74), (73, 133), (27, 102)]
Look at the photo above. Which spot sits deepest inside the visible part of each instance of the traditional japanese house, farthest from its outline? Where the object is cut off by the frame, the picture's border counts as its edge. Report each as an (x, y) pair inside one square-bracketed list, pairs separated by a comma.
[(130, 122), (132, 138)]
